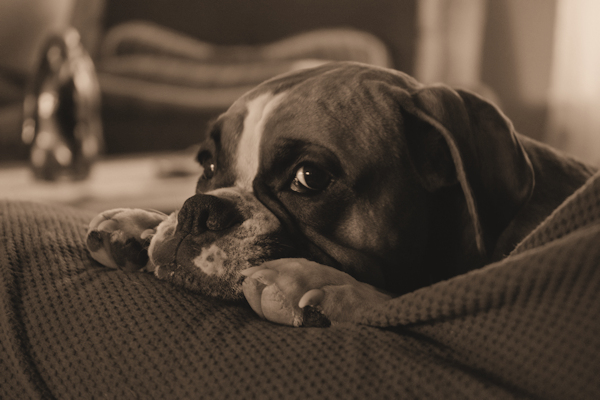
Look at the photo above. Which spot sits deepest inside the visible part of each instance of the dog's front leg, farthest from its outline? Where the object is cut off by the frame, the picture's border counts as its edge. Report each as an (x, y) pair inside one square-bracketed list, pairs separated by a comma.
[(119, 238), (299, 292)]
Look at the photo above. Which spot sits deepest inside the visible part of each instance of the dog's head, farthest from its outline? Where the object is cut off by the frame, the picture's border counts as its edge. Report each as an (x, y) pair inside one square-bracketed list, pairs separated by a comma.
[(351, 166)]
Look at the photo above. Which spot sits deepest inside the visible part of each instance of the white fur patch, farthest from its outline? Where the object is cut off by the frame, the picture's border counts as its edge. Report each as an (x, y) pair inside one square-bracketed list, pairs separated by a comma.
[(259, 110), (211, 260)]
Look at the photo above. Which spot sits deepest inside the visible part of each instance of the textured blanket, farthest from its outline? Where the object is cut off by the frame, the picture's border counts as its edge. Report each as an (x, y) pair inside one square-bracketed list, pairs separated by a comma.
[(526, 327)]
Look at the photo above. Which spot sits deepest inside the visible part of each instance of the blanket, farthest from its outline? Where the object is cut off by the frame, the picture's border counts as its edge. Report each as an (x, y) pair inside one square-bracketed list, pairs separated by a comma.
[(524, 327)]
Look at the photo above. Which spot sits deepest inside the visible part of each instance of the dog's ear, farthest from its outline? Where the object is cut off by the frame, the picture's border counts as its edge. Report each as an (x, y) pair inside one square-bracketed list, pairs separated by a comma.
[(456, 136)]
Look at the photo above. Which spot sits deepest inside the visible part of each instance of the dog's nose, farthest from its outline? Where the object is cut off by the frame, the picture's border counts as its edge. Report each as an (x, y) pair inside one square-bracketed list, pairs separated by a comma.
[(202, 212)]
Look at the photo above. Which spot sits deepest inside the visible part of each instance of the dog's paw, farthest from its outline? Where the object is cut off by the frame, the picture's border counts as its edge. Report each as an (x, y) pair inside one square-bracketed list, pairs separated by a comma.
[(299, 292), (119, 238)]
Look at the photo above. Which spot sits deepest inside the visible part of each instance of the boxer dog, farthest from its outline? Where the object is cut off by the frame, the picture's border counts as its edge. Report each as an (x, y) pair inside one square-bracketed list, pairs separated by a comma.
[(330, 189)]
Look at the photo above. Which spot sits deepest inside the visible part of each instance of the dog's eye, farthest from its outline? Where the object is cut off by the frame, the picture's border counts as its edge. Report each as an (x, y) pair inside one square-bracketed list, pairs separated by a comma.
[(209, 170), (310, 178), (208, 164)]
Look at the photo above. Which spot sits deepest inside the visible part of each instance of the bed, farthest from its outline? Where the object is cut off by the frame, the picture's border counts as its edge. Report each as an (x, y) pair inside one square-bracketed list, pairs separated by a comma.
[(525, 327)]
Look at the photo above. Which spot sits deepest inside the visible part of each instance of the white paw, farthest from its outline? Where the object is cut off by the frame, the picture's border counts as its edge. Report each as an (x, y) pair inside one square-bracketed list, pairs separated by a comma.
[(299, 292), (119, 238)]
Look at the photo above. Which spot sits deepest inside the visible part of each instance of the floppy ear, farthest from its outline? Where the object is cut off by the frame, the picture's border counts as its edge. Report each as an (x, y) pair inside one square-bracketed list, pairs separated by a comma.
[(456, 136)]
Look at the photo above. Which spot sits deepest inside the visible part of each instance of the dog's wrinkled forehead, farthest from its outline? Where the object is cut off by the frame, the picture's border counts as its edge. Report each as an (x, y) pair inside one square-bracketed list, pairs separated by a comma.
[(314, 104)]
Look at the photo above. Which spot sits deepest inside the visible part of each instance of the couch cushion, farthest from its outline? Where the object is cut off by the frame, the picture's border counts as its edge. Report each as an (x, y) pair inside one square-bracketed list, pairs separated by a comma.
[(523, 327)]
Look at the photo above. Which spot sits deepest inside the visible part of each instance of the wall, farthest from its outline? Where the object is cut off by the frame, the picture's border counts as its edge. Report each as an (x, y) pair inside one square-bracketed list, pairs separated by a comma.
[(24, 25), (517, 57)]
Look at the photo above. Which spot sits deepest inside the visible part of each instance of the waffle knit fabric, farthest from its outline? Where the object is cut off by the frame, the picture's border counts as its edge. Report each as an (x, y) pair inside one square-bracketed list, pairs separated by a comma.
[(525, 327)]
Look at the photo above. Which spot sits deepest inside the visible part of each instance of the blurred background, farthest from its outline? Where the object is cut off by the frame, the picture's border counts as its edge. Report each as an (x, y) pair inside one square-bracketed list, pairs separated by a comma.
[(166, 67)]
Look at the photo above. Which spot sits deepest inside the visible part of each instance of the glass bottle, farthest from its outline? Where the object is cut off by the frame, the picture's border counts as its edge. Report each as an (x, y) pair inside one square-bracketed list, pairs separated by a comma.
[(62, 122)]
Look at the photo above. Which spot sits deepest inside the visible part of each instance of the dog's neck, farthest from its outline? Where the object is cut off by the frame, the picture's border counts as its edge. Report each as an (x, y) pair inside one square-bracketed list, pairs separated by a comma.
[(557, 176), (451, 232)]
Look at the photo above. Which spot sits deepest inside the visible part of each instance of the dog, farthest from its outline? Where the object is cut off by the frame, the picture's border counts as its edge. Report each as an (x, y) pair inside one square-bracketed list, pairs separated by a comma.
[(330, 189)]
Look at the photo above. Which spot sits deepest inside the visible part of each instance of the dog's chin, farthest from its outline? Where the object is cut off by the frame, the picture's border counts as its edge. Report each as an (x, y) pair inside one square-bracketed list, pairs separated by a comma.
[(199, 263), (210, 263)]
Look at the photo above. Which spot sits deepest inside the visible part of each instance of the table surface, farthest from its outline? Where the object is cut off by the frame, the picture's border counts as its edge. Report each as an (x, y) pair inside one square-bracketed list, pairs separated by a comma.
[(160, 181)]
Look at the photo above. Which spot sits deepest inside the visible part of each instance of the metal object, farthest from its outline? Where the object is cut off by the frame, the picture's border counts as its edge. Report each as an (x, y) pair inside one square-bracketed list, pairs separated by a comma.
[(62, 121)]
